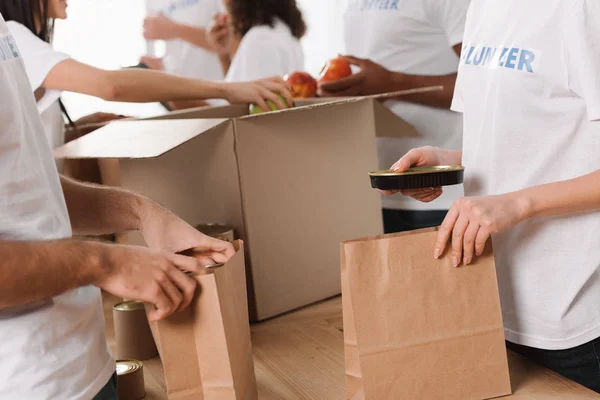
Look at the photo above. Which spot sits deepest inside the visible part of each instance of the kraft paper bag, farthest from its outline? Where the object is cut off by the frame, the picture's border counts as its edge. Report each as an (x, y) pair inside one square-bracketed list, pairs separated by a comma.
[(419, 328), (206, 350)]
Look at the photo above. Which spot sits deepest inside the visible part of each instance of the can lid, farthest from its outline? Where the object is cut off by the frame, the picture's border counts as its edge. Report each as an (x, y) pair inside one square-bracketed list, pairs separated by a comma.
[(213, 229), (129, 306), (419, 170), (125, 367)]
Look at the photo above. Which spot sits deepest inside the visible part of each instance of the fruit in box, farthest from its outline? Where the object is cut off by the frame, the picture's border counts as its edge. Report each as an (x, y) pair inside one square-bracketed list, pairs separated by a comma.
[(255, 109), (303, 84), (335, 69)]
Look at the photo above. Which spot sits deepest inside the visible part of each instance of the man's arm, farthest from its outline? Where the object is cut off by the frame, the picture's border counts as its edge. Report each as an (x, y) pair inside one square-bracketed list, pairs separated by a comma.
[(99, 210), (375, 79), (35, 271)]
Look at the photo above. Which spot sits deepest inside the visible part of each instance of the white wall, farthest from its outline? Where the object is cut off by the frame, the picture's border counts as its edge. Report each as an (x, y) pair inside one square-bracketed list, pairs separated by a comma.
[(108, 34)]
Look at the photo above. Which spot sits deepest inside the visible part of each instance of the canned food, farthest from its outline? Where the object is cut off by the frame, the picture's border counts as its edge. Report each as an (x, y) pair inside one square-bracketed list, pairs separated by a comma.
[(417, 178), (130, 380), (125, 367), (132, 332), (217, 231)]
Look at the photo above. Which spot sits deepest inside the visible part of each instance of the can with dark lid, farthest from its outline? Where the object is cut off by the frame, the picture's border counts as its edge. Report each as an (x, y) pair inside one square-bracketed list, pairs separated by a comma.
[(417, 178), (132, 332), (130, 380), (217, 231)]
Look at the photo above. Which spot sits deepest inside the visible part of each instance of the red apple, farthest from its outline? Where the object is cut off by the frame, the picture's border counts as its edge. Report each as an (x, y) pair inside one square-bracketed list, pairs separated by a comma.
[(303, 84), (335, 69)]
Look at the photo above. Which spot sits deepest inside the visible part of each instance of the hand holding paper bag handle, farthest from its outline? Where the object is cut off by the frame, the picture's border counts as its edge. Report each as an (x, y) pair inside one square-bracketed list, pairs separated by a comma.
[(471, 220), (158, 276)]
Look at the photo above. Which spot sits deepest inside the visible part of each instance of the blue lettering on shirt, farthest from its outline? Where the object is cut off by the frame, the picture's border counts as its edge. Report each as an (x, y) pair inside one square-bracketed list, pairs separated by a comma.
[(8, 48), (178, 5), (362, 5), (499, 57)]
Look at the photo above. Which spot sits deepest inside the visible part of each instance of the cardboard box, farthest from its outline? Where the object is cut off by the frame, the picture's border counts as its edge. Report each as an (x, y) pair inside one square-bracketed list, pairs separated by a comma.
[(293, 183)]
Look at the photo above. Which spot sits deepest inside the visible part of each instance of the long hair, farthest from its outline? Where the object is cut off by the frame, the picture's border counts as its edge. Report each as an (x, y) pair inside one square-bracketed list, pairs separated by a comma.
[(27, 12), (247, 14)]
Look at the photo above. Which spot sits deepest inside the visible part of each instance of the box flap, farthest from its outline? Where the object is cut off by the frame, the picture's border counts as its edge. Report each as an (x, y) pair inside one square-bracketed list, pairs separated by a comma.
[(136, 139), (382, 96), (229, 111)]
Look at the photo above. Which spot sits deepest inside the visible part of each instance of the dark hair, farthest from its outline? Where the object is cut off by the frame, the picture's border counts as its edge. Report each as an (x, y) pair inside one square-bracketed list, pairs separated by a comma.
[(247, 14), (26, 12)]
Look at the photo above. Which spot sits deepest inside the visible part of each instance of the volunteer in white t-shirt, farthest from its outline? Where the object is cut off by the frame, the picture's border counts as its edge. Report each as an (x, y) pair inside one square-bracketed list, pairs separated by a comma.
[(402, 45), (51, 322), (529, 92), (259, 39), (54, 72), (182, 24)]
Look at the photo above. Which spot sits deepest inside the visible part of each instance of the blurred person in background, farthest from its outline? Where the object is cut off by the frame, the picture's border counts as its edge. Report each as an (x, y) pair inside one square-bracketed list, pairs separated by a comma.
[(182, 25), (258, 39), (403, 45), (50, 72)]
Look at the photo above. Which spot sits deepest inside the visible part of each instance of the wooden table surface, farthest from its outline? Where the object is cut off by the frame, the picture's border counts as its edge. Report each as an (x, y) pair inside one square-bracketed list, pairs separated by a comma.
[(300, 356)]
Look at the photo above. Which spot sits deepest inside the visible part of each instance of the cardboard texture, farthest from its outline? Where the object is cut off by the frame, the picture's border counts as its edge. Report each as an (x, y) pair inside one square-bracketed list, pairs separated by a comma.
[(293, 176), (206, 350), (418, 328)]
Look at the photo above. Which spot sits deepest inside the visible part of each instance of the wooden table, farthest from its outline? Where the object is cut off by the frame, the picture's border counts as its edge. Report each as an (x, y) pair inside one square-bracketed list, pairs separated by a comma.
[(300, 356)]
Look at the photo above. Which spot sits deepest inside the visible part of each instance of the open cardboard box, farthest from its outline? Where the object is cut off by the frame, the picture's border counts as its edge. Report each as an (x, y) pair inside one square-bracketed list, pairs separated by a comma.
[(293, 183)]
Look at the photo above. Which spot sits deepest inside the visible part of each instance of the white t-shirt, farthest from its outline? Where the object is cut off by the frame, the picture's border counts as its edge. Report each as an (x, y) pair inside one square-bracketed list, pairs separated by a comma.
[(413, 37), (266, 51), (529, 90), (54, 349), (39, 58), (182, 58)]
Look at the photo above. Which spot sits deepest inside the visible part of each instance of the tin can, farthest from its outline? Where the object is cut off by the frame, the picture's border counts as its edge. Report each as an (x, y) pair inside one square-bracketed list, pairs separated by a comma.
[(130, 380), (417, 178), (132, 332), (217, 231)]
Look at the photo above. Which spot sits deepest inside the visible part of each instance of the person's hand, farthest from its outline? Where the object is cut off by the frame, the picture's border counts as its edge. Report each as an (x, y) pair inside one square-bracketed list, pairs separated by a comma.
[(159, 27), (420, 157), (219, 33), (98, 118), (163, 230), (152, 276), (258, 92), (154, 63), (372, 79), (88, 124), (472, 220)]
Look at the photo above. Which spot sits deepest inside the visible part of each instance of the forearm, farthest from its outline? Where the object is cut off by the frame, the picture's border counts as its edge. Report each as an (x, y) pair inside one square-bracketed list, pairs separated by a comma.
[(450, 157), (98, 210), (438, 99), (565, 197), (138, 85), (193, 35), (36, 271), (129, 85)]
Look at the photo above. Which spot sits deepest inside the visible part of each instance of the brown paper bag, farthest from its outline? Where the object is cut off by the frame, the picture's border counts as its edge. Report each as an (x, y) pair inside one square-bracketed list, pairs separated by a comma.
[(206, 350), (416, 328)]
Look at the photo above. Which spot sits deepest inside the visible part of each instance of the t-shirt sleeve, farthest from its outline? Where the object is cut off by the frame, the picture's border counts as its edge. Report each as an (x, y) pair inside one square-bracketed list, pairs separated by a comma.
[(259, 56), (39, 56), (582, 53), (457, 101), (450, 16)]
